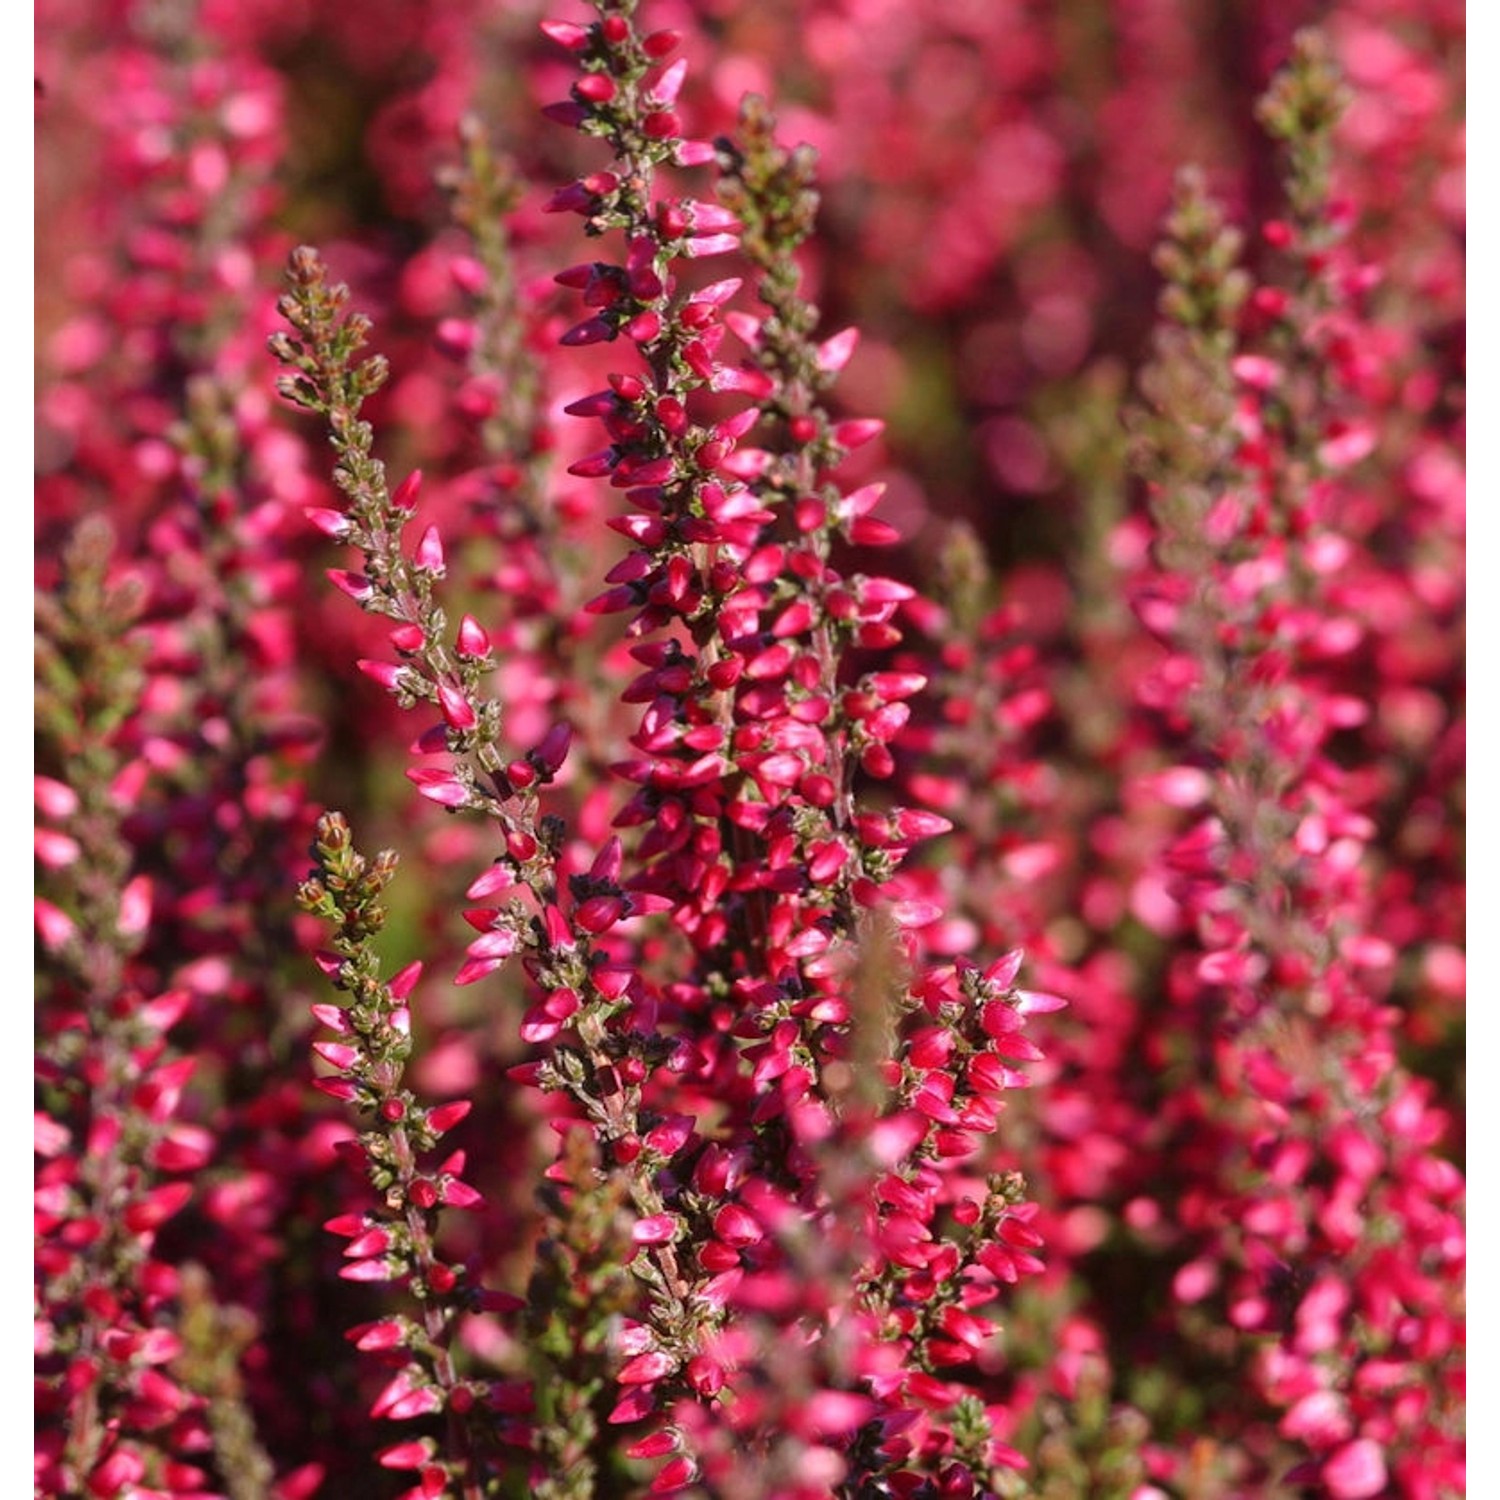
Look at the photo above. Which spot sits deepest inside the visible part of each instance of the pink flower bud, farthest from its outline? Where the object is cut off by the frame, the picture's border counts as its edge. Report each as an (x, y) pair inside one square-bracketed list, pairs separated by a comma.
[(54, 926), (367, 1270), (443, 1117), (660, 44), (439, 786), (404, 496), (338, 1054), (404, 981), (655, 1229), (429, 553), (411, 1454), (647, 1368), (1357, 1471), (595, 88), (457, 710), (135, 908), (355, 585), (566, 34), (835, 353)]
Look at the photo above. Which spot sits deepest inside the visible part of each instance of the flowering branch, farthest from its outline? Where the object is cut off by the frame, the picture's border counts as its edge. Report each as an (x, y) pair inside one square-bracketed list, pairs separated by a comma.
[(396, 1242), (1256, 524)]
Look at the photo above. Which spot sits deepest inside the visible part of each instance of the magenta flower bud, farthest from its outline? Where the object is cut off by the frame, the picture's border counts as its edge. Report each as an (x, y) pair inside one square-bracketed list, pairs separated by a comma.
[(388, 1333), (913, 824), (374, 1241), (590, 331), (135, 908), (655, 1444), (644, 328), (355, 585), (702, 246), (1357, 1471), (457, 710), (157, 1206), (388, 674), (443, 1117), (750, 382), (473, 639), (565, 112), (594, 465), (412, 1454), (868, 531), (595, 88), (367, 1270), (796, 619), (429, 553), (662, 125), (575, 198), (1032, 1002), (469, 274), (705, 218), (930, 1047), (661, 44), (671, 219), (455, 337), (599, 404), (1256, 371), (566, 34), (607, 863), (835, 353), (340, 1055), (634, 1406), (737, 1226), (613, 984), (458, 1194), (830, 1413), (404, 981), (404, 496), (665, 90), (857, 431), (500, 943), (716, 1258), (647, 1368), (54, 798), (438, 786), (121, 1470), (496, 880), (332, 523), (559, 933), (418, 1403), (599, 913), (655, 1229)]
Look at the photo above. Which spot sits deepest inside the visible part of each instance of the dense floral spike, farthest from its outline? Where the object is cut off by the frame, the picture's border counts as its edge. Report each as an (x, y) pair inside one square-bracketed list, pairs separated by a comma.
[(138, 1365), (582, 986), (1274, 878), (395, 1240), (754, 749)]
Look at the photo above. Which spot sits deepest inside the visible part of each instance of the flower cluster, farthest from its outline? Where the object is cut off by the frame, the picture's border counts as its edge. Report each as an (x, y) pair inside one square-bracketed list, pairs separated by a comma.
[(782, 878)]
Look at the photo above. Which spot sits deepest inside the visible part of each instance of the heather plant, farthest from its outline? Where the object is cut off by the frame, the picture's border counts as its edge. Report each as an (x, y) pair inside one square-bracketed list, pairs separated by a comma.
[(674, 1115), (1265, 916), (756, 846)]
